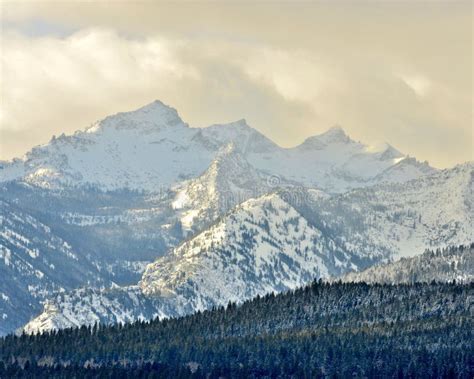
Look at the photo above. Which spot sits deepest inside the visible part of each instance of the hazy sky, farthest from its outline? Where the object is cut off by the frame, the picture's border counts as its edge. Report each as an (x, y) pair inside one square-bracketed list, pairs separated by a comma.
[(400, 72)]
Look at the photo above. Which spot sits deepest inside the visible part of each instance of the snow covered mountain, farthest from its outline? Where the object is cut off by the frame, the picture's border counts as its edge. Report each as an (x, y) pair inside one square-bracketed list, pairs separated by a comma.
[(152, 149), (444, 265), (229, 181), (147, 149), (142, 187), (263, 245)]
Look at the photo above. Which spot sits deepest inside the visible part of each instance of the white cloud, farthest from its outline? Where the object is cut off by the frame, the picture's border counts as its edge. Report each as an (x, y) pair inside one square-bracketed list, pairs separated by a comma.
[(44, 78), (418, 83), (295, 75)]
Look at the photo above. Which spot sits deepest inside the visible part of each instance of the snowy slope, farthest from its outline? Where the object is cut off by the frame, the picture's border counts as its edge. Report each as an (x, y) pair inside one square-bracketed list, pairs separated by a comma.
[(433, 211), (442, 266), (86, 306), (57, 241), (35, 262), (262, 245)]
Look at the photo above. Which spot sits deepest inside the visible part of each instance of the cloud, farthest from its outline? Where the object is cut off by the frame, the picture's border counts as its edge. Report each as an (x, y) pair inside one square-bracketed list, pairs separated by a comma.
[(290, 71), (419, 84), (44, 77)]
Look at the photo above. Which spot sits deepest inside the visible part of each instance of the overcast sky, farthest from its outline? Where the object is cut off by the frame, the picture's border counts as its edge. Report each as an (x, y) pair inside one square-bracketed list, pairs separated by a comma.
[(399, 72)]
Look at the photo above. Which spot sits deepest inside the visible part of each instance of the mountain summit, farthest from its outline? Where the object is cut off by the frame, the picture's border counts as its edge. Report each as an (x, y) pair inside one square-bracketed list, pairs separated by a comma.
[(228, 181), (149, 118), (334, 134)]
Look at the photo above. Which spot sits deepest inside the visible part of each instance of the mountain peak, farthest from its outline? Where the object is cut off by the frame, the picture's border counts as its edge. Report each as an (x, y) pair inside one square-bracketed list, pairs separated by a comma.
[(156, 106), (244, 137), (150, 117), (337, 129), (389, 152), (242, 123), (228, 181), (334, 135), (234, 125)]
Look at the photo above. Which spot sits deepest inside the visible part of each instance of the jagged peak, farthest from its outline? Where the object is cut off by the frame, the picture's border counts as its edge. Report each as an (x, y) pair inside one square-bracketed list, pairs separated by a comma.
[(156, 107), (232, 128), (387, 151), (245, 137), (411, 161), (335, 132), (152, 116), (242, 123), (335, 129), (147, 119), (230, 161), (406, 165), (468, 165), (465, 169), (333, 135)]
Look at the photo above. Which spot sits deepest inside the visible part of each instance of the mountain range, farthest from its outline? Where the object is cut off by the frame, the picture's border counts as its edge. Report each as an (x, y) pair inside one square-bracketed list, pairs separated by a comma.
[(152, 148), (141, 216)]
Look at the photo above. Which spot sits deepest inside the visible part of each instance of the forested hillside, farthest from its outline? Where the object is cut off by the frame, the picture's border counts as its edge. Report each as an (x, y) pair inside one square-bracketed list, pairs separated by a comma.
[(321, 330), (442, 265)]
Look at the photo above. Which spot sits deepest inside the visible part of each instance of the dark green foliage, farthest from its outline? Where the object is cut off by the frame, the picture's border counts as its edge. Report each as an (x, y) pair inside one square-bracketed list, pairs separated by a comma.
[(322, 330)]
